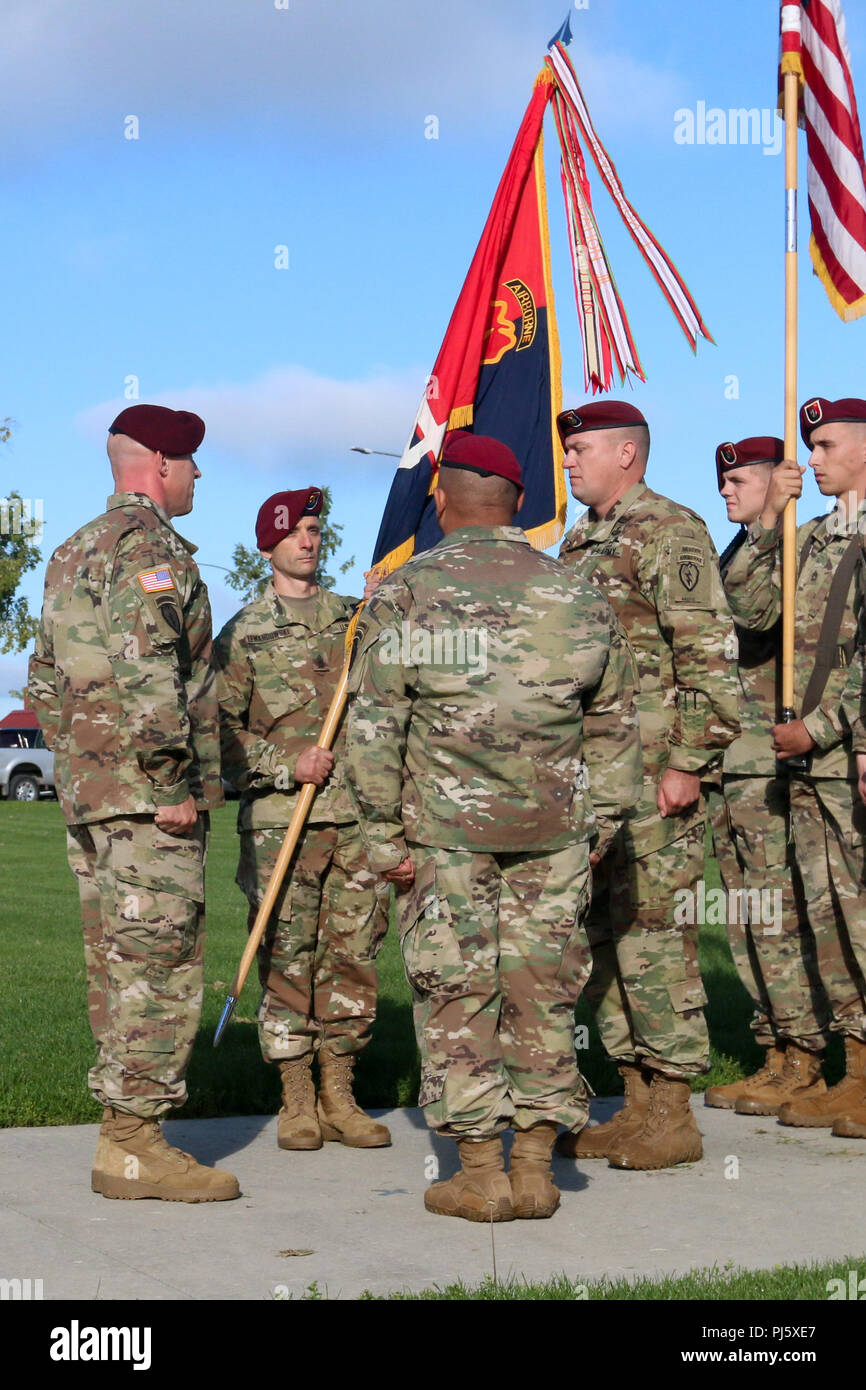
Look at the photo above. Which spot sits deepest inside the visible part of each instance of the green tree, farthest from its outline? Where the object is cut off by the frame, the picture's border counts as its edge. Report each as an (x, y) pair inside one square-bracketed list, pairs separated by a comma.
[(252, 572), (17, 556)]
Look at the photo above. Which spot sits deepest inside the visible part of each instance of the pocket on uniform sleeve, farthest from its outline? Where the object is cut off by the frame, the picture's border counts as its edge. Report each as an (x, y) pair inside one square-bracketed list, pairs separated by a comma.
[(428, 942)]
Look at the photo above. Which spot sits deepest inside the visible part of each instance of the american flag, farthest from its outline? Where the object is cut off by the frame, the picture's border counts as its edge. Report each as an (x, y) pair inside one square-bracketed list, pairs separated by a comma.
[(152, 581), (814, 46)]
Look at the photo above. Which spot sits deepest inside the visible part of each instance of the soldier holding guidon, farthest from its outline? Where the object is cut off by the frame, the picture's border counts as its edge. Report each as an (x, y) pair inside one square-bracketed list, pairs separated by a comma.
[(768, 930), (493, 745), (121, 682), (828, 819), (656, 565), (277, 664)]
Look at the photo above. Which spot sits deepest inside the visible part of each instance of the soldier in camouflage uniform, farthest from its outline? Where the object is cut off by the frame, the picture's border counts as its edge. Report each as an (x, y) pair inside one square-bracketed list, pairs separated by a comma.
[(121, 682), (768, 930), (655, 563), (827, 817), (278, 662), (853, 1124), (493, 746)]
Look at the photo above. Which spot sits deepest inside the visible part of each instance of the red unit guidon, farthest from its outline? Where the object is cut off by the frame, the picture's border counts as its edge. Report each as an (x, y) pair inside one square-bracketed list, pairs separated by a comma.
[(498, 369)]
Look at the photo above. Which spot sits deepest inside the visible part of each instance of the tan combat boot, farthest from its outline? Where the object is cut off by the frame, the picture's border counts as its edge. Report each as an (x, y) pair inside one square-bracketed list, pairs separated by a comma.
[(103, 1145), (820, 1107), (669, 1134), (533, 1193), (852, 1125), (340, 1117), (134, 1160), (726, 1097), (800, 1074), (596, 1141), (481, 1190), (298, 1121)]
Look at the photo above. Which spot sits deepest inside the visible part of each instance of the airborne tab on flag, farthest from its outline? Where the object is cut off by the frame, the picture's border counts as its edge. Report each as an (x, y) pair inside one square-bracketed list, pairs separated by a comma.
[(155, 581)]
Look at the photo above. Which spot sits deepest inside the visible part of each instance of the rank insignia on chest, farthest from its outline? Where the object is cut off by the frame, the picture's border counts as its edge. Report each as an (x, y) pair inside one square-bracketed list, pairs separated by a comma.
[(156, 581)]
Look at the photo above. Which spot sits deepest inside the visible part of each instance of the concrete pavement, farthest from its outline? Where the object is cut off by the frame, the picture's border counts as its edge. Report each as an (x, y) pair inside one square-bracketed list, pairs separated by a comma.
[(350, 1220)]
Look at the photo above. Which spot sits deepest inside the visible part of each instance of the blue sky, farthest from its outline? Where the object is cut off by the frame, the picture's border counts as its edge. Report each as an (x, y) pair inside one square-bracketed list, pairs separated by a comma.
[(305, 127)]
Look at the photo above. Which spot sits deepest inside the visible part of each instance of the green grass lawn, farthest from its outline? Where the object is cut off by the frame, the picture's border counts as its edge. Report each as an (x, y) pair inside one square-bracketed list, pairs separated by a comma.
[(800, 1283), (46, 1046)]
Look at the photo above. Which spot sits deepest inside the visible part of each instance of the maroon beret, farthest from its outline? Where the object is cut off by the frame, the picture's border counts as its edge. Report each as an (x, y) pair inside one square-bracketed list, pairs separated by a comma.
[(158, 428), (481, 454), (819, 411), (282, 512), (598, 415), (759, 448)]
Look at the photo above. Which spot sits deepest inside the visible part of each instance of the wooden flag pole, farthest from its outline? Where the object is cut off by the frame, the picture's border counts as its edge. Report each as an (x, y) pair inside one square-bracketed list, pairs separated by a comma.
[(293, 834), (789, 520)]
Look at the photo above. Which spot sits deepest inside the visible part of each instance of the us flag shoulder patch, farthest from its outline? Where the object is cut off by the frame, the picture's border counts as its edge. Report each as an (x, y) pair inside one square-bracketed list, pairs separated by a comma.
[(156, 581)]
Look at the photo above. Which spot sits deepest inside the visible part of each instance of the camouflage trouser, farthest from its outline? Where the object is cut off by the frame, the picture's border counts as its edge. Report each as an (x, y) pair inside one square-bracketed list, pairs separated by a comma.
[(142, 905), (828, 821), (317, 963), (645, 989), (496, 954), (768, 931)]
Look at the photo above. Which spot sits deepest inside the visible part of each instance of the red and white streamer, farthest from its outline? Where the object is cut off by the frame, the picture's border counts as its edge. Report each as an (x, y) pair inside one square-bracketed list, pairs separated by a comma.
[(666, 275)]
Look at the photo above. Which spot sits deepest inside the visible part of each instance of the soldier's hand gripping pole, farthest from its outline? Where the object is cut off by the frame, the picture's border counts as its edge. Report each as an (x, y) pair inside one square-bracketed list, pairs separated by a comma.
[(296, 825)]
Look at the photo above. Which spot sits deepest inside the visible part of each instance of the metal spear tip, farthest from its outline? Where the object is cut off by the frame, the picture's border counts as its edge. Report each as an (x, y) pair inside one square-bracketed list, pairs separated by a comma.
[(227, 1012)]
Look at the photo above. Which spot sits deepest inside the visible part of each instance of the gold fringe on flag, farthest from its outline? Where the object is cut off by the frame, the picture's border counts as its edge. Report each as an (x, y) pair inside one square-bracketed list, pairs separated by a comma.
[(846, 311), (461, 416), (550, 531)]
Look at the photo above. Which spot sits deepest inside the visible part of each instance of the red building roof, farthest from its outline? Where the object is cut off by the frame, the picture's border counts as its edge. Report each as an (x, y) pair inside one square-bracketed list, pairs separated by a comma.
[(20, 719)]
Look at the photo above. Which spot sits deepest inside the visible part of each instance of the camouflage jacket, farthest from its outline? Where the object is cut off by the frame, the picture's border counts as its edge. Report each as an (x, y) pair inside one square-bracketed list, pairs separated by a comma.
[(492, 705), (759, 665), (277, 663), (754, 588), (120, 678), (656, 565), (853, 698)]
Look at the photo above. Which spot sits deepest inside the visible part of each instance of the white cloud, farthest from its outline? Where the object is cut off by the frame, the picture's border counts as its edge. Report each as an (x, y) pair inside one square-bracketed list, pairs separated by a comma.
[(290, 412), (69, 70), (653, 93)]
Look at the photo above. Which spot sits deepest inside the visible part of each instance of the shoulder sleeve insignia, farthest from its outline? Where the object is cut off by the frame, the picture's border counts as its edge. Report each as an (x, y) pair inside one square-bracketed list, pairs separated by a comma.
[(689, 575), (156, 581), (171, 615)]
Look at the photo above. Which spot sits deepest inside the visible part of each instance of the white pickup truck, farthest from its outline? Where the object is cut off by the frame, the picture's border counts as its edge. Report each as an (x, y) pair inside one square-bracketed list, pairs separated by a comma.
[(26, 765)]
